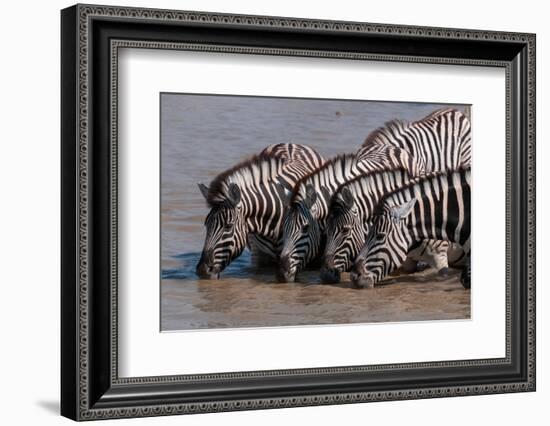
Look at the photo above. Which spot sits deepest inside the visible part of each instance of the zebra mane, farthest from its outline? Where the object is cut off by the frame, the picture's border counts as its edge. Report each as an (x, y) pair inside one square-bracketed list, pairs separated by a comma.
[(299, 191), (381, 134), (388, 199), (334, 202), (244, 174)]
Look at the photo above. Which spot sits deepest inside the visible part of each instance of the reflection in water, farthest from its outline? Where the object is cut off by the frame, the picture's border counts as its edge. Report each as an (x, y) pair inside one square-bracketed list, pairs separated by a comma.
[(260, 301), (204, 135)]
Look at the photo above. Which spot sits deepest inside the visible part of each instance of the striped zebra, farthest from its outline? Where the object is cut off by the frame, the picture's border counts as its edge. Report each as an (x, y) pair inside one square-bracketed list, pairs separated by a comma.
[(247, 203), (350, 218), (438, 142), (436, 207), (305, 217)]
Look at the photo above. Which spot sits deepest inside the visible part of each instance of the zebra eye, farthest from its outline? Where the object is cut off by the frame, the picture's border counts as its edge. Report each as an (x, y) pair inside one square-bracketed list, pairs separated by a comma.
[(305, 227), (346, 228), (228, 227), (380, 235)]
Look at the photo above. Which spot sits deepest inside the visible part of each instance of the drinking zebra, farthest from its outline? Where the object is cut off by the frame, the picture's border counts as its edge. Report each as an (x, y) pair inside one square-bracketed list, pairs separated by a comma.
[(247, 203), (436, 207), (350, 218), (438, 142), (304, 219)]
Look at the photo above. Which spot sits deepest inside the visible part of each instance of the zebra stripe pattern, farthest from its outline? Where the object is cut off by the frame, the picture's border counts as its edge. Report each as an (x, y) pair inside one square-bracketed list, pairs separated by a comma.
[(439, 142), (304, 220), (248, 201), (436, 207), (349, 218)]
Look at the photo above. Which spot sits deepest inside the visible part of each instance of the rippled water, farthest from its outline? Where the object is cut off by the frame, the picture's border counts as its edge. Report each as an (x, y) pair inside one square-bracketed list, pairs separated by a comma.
[(203, 135)]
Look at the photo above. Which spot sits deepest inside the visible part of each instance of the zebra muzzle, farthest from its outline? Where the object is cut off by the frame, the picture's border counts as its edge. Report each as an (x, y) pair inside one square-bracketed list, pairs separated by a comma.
[(329, 273), (285, 273), (362, 281), (330, 276), (207, 271)]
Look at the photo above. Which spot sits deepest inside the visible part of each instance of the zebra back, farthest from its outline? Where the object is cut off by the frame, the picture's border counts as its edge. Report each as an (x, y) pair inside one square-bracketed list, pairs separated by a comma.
[(440, 141)]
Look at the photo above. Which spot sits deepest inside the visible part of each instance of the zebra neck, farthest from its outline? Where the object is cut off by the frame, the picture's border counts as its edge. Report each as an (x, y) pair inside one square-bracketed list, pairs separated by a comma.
[(265, 225), (369, 190)]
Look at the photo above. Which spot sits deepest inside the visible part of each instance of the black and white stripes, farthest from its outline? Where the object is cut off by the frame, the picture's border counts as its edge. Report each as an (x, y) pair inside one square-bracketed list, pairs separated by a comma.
[(305, 217), (436, 207), (439, 142), (249, 200), (349, 218), (289, 205)]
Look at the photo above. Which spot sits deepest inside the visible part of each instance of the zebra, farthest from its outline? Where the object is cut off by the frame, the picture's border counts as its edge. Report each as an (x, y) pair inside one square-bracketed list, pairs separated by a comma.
[(438, 142), (436, 207), (305, 216), (247, 203), (349, 220)]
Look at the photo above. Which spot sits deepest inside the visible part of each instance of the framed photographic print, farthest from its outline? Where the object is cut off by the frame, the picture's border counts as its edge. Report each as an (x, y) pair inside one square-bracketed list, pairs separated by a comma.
[(263, 212)]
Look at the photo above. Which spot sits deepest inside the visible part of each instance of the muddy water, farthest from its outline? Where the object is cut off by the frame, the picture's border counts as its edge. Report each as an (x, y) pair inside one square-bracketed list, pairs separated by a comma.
[(242, 301), (204, 135)]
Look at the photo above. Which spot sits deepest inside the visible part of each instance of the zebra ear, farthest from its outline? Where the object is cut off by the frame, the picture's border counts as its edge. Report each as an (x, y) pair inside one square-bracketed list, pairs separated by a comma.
[(204, 190), (311, 196), (346, 199), (403, 210), (234, 194), (283, 195), (326, 194)]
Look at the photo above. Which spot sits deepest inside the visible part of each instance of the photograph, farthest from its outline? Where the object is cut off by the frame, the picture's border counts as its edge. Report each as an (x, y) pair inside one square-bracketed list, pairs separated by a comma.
[(266, 208), (279, 211)]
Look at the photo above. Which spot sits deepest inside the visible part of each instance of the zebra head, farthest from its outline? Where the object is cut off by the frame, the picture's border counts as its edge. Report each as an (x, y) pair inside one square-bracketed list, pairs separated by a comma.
[(386, 246), (345, 236), (226, 233), (301, 236)]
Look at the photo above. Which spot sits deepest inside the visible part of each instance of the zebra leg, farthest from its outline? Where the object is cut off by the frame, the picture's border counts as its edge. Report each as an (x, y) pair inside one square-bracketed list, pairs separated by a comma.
[(456, 255), (430, 253), (465, 277), (435, 255), (263, 252)]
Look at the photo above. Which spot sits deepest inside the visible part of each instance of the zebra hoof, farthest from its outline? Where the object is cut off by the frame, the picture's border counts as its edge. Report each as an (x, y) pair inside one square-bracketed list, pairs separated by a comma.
[(443, 272)]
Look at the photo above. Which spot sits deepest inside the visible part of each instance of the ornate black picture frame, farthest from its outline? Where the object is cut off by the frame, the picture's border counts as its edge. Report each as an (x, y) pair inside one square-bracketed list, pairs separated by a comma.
[(91, 36)]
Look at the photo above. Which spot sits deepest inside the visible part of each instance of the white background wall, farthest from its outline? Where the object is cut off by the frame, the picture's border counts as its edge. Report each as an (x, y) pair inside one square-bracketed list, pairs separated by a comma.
[(29, 225)]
